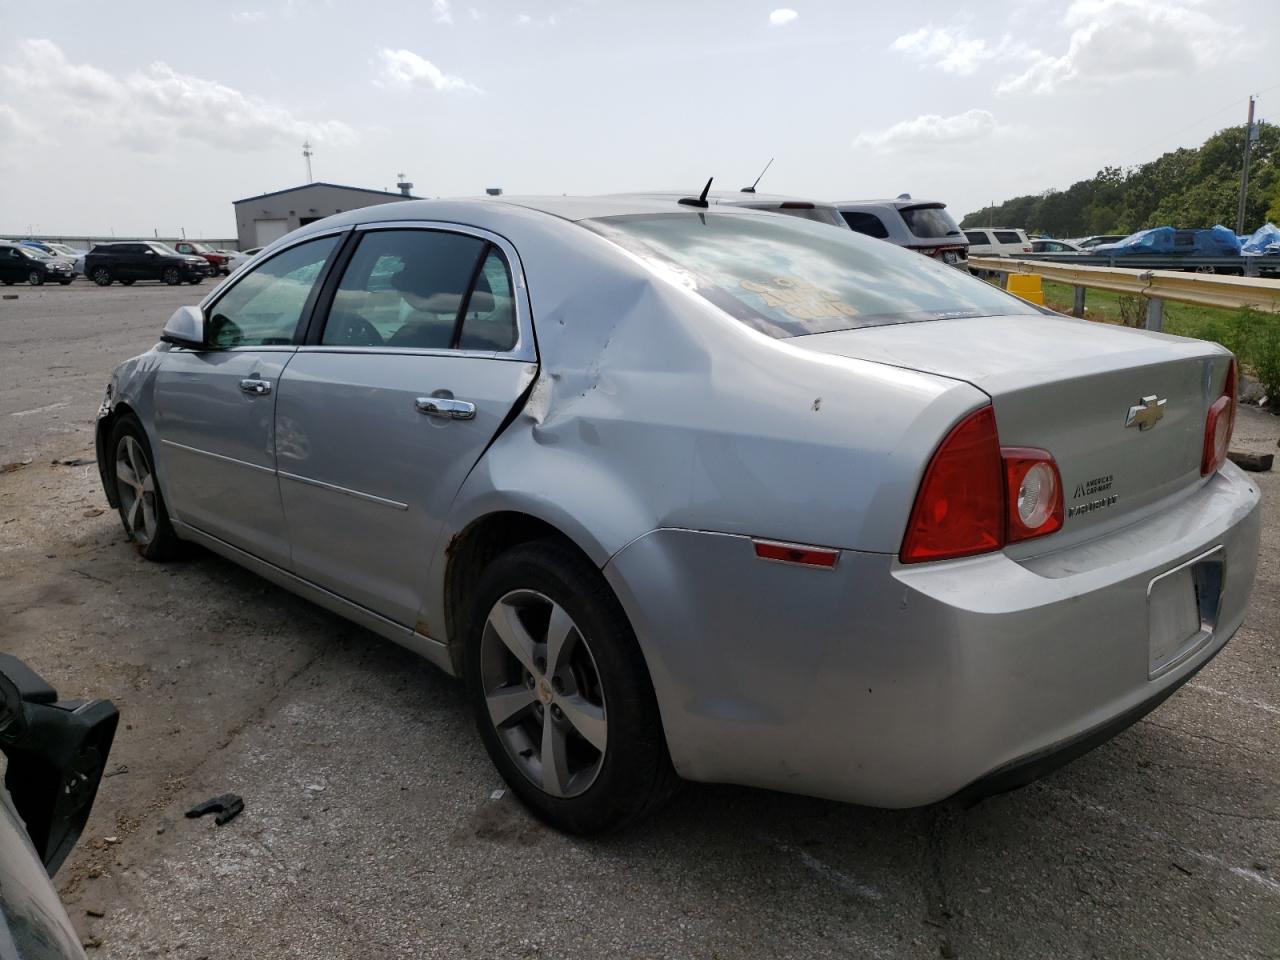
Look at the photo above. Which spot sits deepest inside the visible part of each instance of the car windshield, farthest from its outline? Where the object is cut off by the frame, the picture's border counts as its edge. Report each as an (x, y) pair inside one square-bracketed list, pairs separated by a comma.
[(929, 221), (35, 253), (63, 249), (165, 249), (789, 278), (199, 248)]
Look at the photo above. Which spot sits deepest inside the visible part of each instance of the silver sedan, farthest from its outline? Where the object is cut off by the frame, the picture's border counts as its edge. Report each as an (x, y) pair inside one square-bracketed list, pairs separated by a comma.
[(703, 493)]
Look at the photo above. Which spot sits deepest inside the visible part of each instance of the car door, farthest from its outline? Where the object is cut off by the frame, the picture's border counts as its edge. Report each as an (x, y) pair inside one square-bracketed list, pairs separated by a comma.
[(215, 407), (423, 350), (11, 265)]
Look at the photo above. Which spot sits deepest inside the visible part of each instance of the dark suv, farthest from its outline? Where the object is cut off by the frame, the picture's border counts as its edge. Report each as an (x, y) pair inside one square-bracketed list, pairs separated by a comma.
[(144, 260)]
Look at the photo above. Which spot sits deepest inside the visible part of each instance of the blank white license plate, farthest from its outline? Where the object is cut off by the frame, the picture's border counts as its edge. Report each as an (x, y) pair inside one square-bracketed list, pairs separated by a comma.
[(1182, 610)]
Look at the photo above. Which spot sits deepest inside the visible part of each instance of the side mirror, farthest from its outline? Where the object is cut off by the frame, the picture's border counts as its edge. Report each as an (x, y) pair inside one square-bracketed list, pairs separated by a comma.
[(186, 328)]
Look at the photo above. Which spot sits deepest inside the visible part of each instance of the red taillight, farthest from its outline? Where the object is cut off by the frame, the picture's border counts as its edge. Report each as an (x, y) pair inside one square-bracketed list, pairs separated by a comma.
[(959, 509), (1034, 493), (1219, 424), (976, 496)]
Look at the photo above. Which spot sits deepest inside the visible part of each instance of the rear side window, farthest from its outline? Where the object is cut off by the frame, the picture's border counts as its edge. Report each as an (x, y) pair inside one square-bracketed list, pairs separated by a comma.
[(976, 237), (423, 289), (788, 278), (865, 223), (929, 222), (1007, 236)]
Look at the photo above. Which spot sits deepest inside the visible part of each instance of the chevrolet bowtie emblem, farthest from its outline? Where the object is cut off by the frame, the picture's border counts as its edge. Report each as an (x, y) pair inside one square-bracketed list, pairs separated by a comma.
[(1146, 414)]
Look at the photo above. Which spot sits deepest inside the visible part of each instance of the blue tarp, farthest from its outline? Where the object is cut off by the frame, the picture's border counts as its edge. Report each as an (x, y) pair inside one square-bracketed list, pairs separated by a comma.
[(1265, 240), (1215, 242)]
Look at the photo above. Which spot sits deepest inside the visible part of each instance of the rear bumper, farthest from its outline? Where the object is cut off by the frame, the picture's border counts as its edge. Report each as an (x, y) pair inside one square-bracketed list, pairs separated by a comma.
[(899, 686)]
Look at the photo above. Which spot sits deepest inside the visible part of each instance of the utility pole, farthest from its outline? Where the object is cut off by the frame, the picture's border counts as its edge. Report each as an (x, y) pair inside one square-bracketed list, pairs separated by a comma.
[(306, 153), (1244, 173)]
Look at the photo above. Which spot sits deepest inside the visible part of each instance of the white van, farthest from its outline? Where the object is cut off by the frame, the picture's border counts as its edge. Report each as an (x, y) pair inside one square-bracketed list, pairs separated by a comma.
[(997, 242)]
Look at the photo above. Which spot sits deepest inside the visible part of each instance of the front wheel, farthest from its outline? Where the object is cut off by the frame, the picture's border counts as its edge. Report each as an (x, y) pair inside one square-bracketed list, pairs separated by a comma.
[(102, 277), (561, 694), (142, 509), (171, 276), (35, 278)]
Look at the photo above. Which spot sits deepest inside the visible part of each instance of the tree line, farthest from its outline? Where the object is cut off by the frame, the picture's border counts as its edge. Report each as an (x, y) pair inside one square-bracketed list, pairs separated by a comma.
[(1186, 188)]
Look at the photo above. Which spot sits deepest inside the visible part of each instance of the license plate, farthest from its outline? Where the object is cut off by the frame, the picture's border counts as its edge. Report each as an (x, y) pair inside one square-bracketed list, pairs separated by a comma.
[(950, 256), (1182, 610)]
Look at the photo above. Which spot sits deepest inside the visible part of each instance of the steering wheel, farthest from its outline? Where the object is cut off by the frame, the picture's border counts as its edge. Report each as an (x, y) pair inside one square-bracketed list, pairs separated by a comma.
[(352, 330)]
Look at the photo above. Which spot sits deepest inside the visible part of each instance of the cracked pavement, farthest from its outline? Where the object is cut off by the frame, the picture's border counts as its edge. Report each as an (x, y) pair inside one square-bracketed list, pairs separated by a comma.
[(374, 824)]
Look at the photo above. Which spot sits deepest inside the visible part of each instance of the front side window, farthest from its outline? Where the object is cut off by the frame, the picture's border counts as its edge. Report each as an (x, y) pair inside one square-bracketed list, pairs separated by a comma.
[(789, 278), (410, 289), (264, 307)]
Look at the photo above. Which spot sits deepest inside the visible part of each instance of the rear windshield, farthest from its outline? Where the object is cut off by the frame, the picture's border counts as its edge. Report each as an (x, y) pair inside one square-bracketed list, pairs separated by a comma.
[(929, 222), (788, 278)]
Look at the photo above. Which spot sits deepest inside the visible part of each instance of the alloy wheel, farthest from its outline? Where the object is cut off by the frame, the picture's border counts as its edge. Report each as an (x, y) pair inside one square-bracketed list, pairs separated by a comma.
[(136, 486), (35, 278), (543, 693)]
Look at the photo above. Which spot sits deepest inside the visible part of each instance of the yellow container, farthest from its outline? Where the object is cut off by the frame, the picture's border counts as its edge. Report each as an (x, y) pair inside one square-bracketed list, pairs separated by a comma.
[(1027, 286)]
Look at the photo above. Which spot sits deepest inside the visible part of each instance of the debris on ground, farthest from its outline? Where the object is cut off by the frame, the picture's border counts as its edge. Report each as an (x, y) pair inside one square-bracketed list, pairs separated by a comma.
[(93, 512), (1256, 462), (227, 806), (120, 768), (96, 912), (15, 465), (73, 462)]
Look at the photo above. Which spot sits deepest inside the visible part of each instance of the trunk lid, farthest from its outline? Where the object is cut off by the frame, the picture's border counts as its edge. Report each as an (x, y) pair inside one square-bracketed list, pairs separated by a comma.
[(1067, 386)]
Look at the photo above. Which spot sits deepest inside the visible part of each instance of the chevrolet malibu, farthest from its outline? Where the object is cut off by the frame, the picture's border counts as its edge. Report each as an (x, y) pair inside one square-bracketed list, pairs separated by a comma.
[(703, 493)]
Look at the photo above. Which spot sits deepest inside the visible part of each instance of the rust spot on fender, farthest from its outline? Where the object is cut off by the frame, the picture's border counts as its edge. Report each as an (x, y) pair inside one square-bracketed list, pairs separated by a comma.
[(422, 628)]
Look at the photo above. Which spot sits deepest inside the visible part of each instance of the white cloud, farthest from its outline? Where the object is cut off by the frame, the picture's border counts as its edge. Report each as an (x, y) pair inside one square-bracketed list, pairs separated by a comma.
[(403, 70), (476, 15), (782, 16), (949, 49), (14, 127), (149, 108), (248, 16), (931, 130), (440, 8), (1114, 40)]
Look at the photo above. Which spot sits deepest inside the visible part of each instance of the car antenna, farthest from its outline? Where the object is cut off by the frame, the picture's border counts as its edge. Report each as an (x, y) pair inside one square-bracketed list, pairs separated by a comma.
[(701, 199), (752, 188)]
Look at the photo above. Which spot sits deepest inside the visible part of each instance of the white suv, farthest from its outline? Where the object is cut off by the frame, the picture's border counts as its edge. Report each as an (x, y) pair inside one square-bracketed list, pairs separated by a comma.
[(997, 242), (920, 225)]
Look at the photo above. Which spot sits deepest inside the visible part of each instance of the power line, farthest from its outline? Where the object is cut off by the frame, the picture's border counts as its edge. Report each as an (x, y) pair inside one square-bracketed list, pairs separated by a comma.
[(1208, 116)]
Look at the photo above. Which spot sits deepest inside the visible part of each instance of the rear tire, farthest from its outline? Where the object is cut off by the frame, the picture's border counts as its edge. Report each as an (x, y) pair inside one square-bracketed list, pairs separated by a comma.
[(141, 504), (102, 277), (596, 690)]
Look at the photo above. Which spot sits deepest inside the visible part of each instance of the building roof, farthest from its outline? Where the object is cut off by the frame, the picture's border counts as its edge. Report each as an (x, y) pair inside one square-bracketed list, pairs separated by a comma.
[(331, 186)]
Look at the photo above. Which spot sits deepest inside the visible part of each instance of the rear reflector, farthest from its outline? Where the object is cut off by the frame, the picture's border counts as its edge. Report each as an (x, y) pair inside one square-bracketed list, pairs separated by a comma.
[(800, 553)]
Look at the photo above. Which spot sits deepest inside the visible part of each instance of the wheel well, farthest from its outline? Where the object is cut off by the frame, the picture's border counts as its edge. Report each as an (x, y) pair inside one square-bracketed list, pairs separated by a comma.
[(472, 550), (102, 437)]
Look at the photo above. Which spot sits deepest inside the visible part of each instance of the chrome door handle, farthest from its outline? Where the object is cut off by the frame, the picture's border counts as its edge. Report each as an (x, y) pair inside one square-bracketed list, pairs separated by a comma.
[(447, 409), (258, 388)]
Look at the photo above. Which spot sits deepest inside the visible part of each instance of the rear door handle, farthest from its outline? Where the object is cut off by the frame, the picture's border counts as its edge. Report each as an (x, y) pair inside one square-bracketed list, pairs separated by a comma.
[(446, 409), (258, 388)]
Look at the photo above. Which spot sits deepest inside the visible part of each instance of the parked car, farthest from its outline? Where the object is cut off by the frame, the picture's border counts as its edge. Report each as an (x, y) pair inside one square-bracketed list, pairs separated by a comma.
[(997, 242), (1088, 243), (55, 250), (1046, 245), (22, 264), (922, 226), (216, 259), (814, 210), (238, 259), (55, 752), (763, 502), (129, 262)]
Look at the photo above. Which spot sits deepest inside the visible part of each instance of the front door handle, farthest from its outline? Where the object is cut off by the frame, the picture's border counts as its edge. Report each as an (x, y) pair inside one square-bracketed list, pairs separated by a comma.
[(447, 409), (257, 388)]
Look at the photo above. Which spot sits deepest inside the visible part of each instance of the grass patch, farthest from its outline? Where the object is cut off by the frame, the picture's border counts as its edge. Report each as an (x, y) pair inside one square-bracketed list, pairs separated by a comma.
[(1253, 337)]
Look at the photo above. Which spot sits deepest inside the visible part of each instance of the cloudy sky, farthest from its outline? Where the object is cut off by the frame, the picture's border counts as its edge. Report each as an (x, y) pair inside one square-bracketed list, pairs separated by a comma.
[(136, 117)]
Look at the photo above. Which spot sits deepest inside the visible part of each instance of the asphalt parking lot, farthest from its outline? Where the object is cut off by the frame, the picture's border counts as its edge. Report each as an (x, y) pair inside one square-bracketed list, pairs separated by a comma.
[(375, 825)]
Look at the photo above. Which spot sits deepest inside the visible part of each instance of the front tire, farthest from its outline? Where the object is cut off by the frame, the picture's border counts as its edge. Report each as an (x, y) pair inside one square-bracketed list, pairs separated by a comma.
[(102, 277), (142, 509), (561, 694), (171, 276), (35, 278)]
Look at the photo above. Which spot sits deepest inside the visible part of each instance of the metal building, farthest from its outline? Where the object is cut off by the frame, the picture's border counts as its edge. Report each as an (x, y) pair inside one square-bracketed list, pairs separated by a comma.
[(269, 216)]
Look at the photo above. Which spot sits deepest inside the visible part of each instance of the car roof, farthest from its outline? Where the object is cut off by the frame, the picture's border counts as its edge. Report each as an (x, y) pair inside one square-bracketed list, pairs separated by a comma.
[(897, 202)]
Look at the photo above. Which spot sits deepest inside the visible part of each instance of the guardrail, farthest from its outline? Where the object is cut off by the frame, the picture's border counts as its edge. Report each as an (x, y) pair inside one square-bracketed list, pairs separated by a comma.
[(1249, 266), (1203, 289)]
